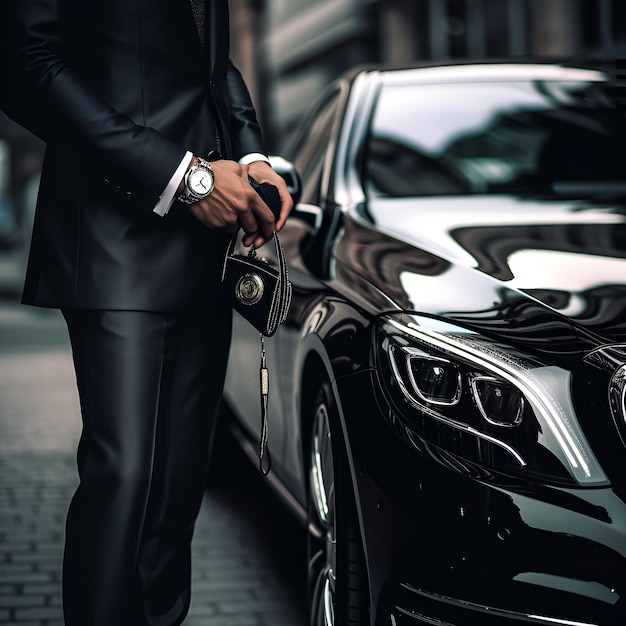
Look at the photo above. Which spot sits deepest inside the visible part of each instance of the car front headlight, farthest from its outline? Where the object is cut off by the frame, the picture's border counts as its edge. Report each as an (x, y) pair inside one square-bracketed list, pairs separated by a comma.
[(484, 402)]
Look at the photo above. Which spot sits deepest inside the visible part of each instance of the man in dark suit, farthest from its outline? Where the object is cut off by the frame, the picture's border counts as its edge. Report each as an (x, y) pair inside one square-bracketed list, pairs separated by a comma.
[(151, 135)]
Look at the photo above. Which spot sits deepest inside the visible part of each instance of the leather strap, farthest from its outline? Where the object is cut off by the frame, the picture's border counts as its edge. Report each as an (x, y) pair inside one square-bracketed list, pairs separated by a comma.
[(264, 379)]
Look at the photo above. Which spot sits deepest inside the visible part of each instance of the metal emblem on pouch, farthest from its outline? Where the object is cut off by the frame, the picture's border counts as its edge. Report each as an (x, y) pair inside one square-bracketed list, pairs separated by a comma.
[(249, 289)]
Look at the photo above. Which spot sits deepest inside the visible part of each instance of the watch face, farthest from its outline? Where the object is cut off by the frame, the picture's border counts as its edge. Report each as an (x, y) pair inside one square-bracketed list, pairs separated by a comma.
[(200, 182)]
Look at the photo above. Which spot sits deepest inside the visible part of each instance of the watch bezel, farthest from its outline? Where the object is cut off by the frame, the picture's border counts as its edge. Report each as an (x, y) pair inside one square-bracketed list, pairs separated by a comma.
[(189, 195)]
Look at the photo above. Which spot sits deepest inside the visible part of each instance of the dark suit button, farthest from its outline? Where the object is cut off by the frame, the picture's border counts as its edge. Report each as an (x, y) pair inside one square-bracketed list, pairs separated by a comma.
[(129, 196), (116, 189), (105, 186)]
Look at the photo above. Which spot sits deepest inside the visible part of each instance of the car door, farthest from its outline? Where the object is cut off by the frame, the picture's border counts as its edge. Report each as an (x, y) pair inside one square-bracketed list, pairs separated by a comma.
[(309, 154)]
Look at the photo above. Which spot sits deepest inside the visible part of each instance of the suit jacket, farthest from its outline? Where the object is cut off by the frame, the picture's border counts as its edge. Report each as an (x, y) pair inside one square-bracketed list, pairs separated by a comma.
[(119, 90)]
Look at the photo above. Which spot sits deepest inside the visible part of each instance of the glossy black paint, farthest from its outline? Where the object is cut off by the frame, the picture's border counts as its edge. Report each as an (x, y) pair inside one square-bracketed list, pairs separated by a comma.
[(447, 540)]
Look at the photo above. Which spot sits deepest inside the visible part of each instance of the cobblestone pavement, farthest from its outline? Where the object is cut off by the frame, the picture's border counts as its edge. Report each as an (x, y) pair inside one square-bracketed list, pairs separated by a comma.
[(248, 567)]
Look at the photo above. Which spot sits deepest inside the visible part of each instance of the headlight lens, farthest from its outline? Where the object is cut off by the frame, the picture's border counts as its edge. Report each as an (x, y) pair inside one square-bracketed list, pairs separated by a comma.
[(499, 402), (483, 402)]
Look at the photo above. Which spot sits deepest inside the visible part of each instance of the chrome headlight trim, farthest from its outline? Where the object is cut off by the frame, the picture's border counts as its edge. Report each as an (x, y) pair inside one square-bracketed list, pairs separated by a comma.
[(545, 388), (412, 353), (518, 418)]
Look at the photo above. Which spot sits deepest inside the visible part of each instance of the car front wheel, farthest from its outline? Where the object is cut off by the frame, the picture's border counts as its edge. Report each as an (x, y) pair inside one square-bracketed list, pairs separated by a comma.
[(337, 589)]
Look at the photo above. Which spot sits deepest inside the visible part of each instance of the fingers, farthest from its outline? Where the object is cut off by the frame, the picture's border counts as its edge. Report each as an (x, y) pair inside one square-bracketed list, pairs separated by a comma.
[(257, 222), (263, 173), (254, 241), (286, 204), (234, 203)]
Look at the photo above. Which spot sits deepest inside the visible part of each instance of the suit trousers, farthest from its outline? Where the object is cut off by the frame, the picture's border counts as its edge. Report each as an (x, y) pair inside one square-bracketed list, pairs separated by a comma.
[(149, 386)]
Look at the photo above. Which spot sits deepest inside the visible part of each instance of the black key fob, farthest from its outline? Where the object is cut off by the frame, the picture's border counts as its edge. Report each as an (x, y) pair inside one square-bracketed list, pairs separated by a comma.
[(269, 194)]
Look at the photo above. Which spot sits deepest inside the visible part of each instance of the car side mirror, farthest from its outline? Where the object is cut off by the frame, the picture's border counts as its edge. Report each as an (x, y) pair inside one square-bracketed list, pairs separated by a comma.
[(289, 173)]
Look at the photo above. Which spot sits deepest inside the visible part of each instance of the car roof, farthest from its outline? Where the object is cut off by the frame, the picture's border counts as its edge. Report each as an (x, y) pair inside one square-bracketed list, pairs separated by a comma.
[(468, 71)]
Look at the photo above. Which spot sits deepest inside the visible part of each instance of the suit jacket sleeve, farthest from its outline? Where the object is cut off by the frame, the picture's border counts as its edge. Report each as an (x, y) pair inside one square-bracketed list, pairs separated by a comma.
[(244, 127), (46, 96)]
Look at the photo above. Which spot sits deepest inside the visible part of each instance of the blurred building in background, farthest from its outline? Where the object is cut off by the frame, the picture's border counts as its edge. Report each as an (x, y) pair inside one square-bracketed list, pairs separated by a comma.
[(289, 50)]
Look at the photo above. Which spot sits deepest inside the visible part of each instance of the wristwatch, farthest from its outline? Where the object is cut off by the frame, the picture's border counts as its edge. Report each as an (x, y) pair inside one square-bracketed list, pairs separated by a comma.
[(199, 181)]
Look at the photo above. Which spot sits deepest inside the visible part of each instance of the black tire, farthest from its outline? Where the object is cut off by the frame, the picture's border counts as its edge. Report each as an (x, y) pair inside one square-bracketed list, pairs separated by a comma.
[(336, 566)]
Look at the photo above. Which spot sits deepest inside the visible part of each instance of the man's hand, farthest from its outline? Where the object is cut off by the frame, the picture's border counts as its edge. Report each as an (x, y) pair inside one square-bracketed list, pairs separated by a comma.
[(262, 172), (234, 203)]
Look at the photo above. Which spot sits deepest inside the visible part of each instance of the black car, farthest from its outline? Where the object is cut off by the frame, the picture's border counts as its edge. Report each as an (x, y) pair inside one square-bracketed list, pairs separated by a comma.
[(448, 392)]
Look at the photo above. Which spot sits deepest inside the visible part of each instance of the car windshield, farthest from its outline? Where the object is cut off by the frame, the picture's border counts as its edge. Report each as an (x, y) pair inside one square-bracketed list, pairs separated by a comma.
[(548, 138)]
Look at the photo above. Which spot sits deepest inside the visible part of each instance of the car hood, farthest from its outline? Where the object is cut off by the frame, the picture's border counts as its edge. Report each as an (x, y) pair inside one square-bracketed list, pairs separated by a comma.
[(562, 260)]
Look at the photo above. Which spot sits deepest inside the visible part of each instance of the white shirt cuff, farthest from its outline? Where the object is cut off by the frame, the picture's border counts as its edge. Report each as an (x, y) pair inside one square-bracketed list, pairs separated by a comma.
[(166, 200), (252, 157)]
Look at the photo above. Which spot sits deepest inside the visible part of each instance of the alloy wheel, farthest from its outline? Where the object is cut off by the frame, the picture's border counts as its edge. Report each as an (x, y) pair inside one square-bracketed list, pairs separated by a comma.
[(323, 539)]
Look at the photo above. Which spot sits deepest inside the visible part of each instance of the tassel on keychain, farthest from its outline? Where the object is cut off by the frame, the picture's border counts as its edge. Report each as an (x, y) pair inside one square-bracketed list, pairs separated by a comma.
[(264, 379)]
